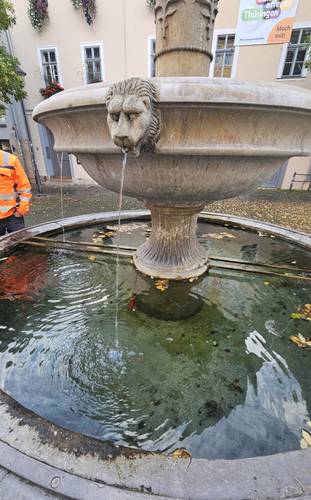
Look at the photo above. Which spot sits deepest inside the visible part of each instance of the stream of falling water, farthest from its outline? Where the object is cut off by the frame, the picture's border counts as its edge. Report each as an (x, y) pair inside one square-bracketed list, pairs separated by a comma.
[(115, 353), (61, 191)]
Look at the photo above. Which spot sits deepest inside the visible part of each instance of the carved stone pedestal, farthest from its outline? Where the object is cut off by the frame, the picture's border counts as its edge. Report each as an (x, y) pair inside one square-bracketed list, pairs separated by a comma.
[(181, 300), (173, 250)]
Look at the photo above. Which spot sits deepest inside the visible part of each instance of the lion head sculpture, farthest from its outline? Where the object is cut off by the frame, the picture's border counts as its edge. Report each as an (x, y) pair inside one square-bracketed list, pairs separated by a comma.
[(133, 116)]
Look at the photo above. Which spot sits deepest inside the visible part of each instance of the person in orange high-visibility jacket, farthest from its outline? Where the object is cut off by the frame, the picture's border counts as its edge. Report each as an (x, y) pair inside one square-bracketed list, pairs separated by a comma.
[(15, 194)]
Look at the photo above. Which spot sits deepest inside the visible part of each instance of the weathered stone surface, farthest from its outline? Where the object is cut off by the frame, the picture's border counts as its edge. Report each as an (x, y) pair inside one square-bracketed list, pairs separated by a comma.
[(184, 35), (57, 464), (133, 117), (172, 250), (218, 139)]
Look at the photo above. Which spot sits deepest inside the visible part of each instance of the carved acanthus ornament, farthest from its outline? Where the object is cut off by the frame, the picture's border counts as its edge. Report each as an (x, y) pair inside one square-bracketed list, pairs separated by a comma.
[(163, 10), (209, 12)]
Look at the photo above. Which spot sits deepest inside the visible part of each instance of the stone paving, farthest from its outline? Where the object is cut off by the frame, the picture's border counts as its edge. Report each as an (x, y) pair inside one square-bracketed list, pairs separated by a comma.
[(13, 487), (291, 209)]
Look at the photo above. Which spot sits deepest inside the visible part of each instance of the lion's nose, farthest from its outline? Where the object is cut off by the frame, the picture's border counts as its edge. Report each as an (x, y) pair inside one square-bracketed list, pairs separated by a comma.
[(121, 138)]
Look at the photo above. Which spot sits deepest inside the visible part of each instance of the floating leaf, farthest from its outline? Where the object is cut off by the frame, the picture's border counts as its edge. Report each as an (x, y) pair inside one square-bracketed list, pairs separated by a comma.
[(181, 453), (301, 341), (303, 444), (102, 235), (192, 280), (161, 285), (266, 283), (296, 316), (303, 313), (132, 305), (127, 228), (306, 436), (92, 257), (228, 235), (306, 311), (218, 236)]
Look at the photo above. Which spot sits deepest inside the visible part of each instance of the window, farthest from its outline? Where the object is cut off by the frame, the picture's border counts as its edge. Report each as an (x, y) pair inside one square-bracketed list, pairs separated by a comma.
[(296, 54), (92, 63), (224, 55), (49, 66), (151, 54)]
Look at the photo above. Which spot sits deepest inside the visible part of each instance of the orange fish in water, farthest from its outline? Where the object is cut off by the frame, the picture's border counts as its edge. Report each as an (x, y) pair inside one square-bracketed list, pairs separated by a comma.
[(132, 304)]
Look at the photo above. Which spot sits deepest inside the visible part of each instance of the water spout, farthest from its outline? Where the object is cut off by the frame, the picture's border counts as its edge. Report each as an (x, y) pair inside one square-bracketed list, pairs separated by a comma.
[(124, 162), (133, 117)]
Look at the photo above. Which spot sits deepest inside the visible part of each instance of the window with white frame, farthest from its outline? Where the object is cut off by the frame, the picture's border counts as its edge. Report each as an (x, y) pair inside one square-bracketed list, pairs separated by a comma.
[(93, 64), (49, 66), (152, 52), (296, 53), (224, 55)]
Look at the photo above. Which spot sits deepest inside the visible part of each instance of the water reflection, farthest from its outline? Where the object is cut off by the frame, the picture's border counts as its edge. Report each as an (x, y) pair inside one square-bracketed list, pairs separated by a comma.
[(180, 300), (270, 419), (224, 383), (23, 278)]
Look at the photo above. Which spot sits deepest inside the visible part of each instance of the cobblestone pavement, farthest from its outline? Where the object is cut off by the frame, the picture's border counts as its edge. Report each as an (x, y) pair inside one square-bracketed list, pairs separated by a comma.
[(291, 209)]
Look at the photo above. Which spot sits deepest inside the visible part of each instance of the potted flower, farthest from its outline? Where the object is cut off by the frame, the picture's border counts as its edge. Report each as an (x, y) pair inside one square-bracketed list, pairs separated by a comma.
[(88, 7), (38, 13), (51, 89)]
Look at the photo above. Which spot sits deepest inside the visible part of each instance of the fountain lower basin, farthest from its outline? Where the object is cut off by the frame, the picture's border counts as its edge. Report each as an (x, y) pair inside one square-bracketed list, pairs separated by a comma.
[(218, 139), (94, 463)]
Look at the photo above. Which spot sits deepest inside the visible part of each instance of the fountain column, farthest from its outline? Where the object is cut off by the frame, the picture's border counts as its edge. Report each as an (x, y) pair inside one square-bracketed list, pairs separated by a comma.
[(172, 250), (184, 30)]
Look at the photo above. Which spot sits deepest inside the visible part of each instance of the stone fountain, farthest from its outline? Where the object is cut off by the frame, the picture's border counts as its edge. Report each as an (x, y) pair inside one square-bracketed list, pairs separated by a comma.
[(190, 139)]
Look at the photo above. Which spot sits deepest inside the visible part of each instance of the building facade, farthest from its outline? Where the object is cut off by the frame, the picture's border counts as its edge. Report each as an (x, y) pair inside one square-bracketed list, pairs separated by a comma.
[(121, 44)]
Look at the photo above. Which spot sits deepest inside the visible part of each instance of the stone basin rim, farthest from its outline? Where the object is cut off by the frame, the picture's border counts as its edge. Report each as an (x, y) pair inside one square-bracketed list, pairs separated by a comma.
[(10, 241), (47, 456), (185, 91), (129, 473)]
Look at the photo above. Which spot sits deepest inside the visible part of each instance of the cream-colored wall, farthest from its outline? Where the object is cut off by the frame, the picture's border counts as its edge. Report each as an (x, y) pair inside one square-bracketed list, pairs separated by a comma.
[(139, 26), (123, 26), (228, 11)]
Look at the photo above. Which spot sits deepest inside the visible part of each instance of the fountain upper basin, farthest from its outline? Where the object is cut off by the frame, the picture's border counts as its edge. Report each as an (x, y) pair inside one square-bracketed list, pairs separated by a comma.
[(219, 138)]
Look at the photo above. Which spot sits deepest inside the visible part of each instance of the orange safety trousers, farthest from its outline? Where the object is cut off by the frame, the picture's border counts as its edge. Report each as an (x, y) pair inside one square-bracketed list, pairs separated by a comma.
[(15, 188)]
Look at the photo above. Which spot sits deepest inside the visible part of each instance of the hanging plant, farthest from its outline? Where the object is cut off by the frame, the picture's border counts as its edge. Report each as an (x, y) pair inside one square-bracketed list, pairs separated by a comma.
[(38, 13), (151, 3), (88, 7), (51, 89)]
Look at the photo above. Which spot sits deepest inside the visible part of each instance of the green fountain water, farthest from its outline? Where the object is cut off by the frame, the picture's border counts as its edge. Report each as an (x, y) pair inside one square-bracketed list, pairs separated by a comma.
[(225, 383)]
